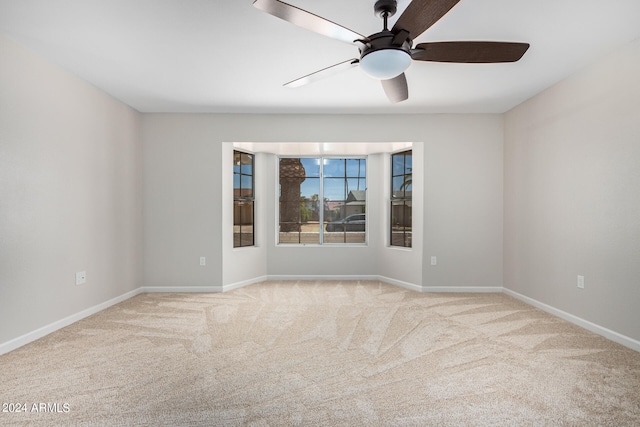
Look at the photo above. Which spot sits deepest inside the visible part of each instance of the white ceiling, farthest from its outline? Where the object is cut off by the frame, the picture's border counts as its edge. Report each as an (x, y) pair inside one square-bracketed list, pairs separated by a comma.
[(227, 56)]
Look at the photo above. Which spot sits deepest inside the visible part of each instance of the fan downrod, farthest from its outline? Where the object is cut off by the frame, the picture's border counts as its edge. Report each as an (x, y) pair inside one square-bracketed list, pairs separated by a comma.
[(385, 9)]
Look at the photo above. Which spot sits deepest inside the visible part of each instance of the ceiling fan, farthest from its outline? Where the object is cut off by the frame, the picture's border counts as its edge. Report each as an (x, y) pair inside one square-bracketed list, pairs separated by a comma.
[(387, 54)]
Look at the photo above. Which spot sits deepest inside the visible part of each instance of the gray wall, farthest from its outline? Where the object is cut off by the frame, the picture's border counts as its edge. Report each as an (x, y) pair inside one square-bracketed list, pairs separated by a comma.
[(70, 194), (572, 194), (186, 217)]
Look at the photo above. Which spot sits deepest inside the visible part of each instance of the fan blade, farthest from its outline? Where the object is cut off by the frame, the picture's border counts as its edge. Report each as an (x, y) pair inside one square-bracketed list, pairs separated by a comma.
[(421, 15), (325, 72), (396, 88), (307, 20), (469, 52)]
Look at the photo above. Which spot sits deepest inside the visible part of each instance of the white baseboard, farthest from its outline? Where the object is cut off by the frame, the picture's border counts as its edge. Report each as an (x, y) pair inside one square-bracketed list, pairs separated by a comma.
[(180, 289), (597, 329), (244, 283), (327, 277), (400, 283), (59, 324), (459, 289), (372, 277), (316, 277)]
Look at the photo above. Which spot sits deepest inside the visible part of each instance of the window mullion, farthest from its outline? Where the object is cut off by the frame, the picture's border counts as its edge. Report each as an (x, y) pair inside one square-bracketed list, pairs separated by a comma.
[(321, 201), (345, 195)]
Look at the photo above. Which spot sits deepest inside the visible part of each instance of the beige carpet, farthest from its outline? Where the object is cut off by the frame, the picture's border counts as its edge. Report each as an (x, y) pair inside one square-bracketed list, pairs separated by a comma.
[(322, 353)]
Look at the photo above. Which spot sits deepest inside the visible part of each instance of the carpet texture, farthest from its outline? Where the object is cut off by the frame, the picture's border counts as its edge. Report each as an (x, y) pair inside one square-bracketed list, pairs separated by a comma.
[(322, 353)]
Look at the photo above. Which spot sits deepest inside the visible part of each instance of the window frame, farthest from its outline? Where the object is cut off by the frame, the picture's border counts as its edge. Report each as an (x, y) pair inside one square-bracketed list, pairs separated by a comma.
[(242, 199), (321, 191), (403, 200)]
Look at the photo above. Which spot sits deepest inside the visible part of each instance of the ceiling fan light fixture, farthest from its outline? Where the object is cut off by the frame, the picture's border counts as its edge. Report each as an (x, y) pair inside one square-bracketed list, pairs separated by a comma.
[(385, 64)]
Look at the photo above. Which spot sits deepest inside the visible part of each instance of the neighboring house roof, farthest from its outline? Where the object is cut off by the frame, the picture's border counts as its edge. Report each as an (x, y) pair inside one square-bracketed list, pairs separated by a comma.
[(357, 196)]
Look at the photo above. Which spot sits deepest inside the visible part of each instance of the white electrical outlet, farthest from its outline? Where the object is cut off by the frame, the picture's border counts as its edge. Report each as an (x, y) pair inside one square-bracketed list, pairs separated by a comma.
[(434, 260), (203, 260), (581, 282), (81, 277)]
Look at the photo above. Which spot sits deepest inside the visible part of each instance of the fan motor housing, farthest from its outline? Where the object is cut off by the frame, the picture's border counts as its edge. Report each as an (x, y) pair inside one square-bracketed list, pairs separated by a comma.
[(384, 40)]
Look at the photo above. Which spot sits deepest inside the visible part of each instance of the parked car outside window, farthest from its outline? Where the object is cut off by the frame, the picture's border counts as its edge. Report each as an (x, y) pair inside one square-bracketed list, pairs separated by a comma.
[(355, 222)]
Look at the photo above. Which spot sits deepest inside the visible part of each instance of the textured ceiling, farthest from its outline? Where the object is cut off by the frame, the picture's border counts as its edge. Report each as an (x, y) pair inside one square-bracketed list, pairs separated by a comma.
[(227, 56)]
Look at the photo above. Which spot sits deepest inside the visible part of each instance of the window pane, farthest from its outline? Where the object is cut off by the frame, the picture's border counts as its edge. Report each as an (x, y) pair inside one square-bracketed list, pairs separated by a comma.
[(246, 181), (242, 224), (246, 161), (310, 206), (311, 167), (345, 200), (243, 204), (242, 185), (354, 185), (407, 183), (397, 164), (356, 168), (310, 209), (334, 168), (350, 229), (335, 189), (408, 159), (303, 203), (307, 233), (401, 224), (401, 187), (398, 184), (310, 188)]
